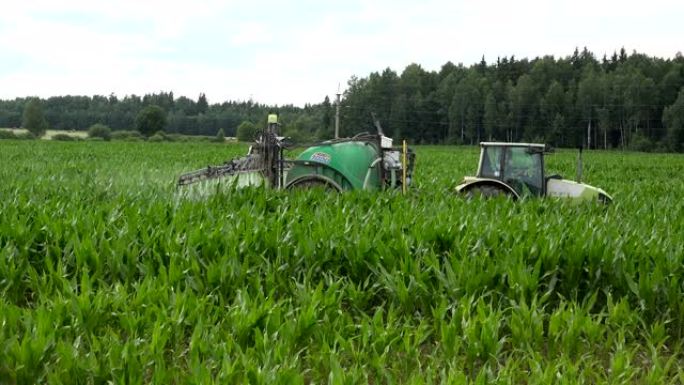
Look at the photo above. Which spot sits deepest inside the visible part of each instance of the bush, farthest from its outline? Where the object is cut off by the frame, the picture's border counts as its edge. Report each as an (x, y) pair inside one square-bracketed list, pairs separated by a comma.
[(95, 139), (220, 136), (33, 118), (641, 143), (156, 138), (297, 136), (246, 131), (452, 140), (64, 138), (100, 131), (150, 119), (25, 136), (5, 134), (174, 137), (126, 135), (200, 138)]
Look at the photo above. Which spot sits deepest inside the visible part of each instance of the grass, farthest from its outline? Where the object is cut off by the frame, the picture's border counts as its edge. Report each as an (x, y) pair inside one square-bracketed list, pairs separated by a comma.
[(108, 275)]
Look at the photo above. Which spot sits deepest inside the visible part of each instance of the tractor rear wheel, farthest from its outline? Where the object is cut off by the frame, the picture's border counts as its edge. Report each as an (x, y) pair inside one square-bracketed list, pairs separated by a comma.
[(487, 191)]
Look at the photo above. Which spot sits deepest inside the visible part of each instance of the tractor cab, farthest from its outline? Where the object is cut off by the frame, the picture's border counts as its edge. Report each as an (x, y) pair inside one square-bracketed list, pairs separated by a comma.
[(518, 165)]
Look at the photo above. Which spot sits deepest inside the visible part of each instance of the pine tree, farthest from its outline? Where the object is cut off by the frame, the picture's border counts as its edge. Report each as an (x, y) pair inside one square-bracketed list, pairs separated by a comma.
[(202, 104)]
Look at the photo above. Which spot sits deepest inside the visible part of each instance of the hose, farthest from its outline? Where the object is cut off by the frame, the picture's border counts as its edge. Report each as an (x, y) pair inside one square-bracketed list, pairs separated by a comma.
[(373, 164)]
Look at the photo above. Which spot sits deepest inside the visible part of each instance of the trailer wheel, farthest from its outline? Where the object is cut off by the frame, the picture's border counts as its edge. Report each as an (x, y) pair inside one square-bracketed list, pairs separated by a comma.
[(314, 183)]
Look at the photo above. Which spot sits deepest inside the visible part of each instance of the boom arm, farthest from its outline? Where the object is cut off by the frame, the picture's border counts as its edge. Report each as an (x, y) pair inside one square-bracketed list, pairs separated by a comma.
[(265, 156), (232, 167)]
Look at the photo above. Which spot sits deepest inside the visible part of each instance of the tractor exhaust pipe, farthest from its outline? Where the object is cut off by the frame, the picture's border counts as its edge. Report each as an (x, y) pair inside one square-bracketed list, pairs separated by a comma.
[(579, 166)]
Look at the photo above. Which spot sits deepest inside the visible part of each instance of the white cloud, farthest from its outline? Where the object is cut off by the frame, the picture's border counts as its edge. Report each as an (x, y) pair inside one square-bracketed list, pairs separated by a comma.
[(296, 52)]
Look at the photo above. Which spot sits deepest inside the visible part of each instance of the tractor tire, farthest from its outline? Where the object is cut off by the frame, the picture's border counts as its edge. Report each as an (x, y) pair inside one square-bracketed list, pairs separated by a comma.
[(604, 200), (487, 191), (309, 184)]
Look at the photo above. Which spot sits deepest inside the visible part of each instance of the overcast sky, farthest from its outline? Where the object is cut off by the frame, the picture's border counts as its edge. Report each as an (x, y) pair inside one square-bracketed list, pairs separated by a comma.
[(297, 52)]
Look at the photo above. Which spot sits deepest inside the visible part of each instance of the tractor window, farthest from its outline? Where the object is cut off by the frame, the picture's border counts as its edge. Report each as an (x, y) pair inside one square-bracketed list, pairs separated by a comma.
[(491, 163), (523, 170)]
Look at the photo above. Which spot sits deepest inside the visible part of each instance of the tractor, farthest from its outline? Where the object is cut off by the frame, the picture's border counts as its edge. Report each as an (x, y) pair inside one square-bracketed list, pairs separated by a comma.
[(516, 170), (363, 162)]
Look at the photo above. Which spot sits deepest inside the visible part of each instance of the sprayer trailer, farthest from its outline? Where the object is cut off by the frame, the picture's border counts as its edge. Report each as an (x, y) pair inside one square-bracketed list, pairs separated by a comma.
[(363, 162), (517, 170)]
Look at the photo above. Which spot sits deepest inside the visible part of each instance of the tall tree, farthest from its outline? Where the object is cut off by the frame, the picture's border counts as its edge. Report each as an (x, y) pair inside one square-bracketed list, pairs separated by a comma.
[(34, 120), (150, 120), (202, 104), (326, 119), (673, 117), (588, 99), (491, 116)]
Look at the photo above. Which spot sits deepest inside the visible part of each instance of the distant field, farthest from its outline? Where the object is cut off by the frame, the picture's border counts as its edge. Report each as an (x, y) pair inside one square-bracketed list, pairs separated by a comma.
[(50, 133), (107, 274), (84, 134)]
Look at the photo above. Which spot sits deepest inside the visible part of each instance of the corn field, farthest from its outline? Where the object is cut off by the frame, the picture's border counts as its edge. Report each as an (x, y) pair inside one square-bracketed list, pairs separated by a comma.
[(109, 275)]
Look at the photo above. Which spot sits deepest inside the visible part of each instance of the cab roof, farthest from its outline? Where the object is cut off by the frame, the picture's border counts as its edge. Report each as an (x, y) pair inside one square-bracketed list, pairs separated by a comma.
[(511, 144), (536, 146)]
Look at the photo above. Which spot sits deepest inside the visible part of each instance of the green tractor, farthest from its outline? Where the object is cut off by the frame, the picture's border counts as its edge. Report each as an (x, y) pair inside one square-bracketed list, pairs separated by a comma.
[(517, 170), (363, 162)]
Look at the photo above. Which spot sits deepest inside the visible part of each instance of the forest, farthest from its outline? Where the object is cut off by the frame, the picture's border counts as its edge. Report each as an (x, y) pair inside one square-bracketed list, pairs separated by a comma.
[(626, 101)]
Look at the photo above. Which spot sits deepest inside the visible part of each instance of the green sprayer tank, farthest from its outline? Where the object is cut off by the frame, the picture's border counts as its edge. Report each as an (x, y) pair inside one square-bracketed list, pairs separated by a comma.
[(342, 165)]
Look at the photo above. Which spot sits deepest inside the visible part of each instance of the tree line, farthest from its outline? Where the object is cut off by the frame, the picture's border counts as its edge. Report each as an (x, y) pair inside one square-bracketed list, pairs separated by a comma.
[(183, 115), (623, 101)]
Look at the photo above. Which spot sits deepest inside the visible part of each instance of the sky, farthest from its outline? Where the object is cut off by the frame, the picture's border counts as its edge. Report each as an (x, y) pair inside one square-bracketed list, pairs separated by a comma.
[(297, 52)]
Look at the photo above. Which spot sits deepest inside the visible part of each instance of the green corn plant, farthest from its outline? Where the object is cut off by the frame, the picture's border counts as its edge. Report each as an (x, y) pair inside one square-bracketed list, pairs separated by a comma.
[(109, 274)]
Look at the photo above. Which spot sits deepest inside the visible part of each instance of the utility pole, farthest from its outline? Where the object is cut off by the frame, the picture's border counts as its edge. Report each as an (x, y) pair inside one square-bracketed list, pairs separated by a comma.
[(337, 114), (589, 135)]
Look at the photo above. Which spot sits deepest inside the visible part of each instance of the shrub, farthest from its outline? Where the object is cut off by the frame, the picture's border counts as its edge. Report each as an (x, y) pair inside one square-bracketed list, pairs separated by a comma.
[(150, 119), (220, 136), (100, 131), (173, 137), (156, 138), (641, 143), (126, 135), (246, 131), (6, 134), (296, 135), (64, 138), (25, 136)]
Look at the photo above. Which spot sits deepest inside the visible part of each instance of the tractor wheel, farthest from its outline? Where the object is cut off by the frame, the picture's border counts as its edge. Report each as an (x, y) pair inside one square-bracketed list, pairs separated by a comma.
[(604, 199), (487, 191)]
